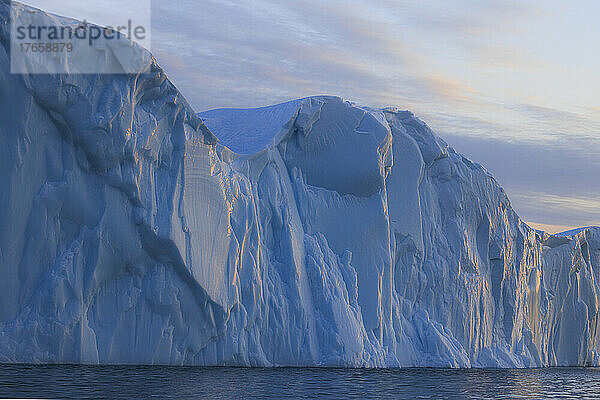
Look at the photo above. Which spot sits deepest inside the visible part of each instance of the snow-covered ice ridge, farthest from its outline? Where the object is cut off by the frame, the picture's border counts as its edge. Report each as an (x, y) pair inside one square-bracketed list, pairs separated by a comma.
[(351, 237)]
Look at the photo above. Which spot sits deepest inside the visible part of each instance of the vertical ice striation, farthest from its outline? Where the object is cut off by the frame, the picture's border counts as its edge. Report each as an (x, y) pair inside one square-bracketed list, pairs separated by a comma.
[(337, 235)]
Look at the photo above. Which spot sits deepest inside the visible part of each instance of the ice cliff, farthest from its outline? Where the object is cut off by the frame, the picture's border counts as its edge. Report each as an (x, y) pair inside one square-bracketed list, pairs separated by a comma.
[(317, 232)]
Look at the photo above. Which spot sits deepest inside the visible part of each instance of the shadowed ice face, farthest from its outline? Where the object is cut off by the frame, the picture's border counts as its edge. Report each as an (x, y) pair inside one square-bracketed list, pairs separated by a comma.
[(345, 149)]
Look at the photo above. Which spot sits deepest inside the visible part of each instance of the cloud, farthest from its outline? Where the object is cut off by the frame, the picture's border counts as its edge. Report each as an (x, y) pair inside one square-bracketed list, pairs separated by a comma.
[(587, 205), (542, 167), (470, 17), (451, 90), (559, 120), (349, 48), (571, 211)]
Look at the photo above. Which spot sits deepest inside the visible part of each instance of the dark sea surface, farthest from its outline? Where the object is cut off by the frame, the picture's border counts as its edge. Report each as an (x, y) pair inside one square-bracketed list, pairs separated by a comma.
[(140, 382)]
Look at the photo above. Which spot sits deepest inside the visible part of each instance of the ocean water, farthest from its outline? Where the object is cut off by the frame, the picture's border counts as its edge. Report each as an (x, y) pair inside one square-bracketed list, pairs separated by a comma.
[(145, 382)]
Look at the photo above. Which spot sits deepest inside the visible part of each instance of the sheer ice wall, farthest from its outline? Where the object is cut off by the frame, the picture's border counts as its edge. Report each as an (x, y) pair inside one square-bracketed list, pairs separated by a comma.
[(351, 236)]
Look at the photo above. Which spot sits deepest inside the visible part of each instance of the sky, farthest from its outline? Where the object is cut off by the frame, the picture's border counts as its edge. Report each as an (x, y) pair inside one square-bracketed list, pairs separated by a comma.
[(511, 84)]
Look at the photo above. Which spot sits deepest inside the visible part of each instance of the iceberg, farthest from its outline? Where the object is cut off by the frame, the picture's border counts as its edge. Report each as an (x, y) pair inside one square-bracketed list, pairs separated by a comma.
[(312, 233)]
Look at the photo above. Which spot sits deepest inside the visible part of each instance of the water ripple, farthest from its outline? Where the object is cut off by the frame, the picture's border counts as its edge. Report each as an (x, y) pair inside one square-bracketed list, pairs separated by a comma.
[(146, 382)]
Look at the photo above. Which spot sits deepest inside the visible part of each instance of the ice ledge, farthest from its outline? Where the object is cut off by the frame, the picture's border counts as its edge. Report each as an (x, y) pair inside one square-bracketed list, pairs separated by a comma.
[(247, 131)]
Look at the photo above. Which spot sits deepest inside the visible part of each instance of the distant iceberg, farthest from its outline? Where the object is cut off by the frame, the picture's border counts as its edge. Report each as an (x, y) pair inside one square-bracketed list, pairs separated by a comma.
[(315, 233)]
